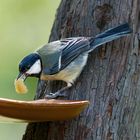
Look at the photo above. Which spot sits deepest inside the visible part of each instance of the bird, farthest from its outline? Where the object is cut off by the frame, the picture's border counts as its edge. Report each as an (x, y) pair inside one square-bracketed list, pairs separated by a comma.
[(65, 59)]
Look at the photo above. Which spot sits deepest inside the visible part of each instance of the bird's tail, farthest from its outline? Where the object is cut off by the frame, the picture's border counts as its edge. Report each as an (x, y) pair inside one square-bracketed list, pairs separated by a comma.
[(109, 35)]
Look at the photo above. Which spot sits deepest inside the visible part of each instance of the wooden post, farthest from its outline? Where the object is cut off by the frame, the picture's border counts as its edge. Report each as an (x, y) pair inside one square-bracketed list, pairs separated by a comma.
[(110, 80)]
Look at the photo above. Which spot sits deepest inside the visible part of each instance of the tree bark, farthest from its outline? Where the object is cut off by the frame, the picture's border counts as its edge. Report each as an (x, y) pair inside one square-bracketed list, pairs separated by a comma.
[(110, 80)]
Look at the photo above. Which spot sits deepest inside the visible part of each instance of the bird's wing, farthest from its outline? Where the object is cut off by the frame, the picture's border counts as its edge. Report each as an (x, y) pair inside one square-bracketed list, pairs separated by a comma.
[(70, 49), (73, 50)]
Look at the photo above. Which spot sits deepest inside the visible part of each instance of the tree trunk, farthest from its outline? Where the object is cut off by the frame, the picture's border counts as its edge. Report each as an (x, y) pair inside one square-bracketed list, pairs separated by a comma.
[(110, 80)]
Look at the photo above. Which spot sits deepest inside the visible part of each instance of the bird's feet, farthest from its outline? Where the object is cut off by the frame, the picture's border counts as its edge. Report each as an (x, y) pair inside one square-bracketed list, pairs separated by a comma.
[(55, 95), (59, 93)]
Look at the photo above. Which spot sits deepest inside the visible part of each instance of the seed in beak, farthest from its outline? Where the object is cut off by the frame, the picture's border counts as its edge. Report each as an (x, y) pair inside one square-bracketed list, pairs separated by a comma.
[(20, 87)]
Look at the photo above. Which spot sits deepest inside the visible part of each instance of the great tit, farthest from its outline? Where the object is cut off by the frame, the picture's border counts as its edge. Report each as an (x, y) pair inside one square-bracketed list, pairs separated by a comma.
[(65, 59)]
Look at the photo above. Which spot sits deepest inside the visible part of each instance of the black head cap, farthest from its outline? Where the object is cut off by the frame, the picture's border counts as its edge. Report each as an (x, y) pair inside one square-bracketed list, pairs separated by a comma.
[(27, 62)]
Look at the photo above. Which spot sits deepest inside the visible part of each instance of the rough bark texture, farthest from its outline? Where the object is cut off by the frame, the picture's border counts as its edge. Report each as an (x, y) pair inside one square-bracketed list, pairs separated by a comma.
[(110, 80)]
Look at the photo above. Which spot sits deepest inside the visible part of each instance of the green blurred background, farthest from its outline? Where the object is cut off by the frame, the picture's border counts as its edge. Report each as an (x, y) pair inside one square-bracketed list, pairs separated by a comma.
[(24, 26)]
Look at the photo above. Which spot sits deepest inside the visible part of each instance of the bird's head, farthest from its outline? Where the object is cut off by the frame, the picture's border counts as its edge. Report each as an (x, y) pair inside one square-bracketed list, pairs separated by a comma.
[(30, 66)]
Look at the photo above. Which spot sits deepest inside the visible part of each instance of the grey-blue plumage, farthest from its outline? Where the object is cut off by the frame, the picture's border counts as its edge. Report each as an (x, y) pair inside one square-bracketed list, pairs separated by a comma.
[(65, 59)]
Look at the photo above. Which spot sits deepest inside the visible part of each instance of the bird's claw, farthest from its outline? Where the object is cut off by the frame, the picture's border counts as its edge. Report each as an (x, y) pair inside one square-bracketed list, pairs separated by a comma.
[(55, 95)]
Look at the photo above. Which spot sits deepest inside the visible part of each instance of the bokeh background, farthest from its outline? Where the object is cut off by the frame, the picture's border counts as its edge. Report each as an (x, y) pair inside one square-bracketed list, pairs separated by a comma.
[(24, 26)]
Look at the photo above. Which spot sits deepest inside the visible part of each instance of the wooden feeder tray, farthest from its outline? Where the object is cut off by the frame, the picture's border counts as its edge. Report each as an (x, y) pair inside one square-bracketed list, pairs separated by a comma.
[(39, 110)]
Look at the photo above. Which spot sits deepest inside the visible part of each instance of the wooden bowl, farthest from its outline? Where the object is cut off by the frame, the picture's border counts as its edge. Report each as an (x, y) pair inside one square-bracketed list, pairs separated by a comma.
[(40, 110)]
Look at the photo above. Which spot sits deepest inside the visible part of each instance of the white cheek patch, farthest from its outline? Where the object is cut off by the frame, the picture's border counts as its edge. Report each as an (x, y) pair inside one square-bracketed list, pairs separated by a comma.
[(35, 68)]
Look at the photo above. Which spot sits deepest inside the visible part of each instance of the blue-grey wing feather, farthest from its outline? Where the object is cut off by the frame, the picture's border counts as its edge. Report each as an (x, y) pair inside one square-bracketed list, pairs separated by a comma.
[(73, 48)]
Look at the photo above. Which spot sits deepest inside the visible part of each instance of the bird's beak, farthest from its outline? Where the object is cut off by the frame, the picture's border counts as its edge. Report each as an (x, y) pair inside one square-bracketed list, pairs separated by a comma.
[(22, 76)]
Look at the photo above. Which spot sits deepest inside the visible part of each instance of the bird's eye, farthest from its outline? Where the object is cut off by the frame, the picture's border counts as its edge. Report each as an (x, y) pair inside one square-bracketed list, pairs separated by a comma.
[(28, 67), (23, 69)]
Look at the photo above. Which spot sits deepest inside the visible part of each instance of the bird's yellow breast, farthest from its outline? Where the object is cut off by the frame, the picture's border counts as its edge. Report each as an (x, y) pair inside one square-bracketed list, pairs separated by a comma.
[(64, 75)]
